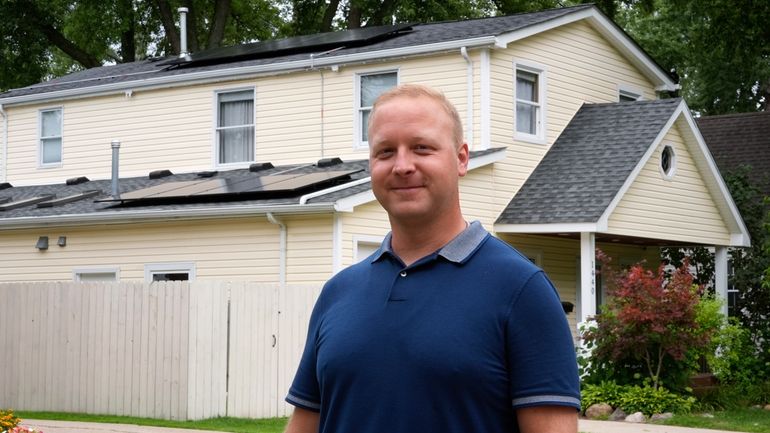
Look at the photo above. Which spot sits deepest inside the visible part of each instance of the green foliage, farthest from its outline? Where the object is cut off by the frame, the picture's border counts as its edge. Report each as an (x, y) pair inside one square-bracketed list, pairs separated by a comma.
[(734, 396), (650, 400), (8, 420), (735, 362), (650, 328), (605, 392)]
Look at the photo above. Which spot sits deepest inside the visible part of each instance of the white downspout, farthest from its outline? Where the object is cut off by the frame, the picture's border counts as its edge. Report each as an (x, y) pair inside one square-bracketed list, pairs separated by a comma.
[(282, 248), (469, 110), (4, 175)]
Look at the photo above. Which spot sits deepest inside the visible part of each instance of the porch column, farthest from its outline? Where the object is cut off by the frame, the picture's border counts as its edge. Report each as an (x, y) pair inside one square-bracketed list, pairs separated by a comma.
[(720, 276), (587, 275)]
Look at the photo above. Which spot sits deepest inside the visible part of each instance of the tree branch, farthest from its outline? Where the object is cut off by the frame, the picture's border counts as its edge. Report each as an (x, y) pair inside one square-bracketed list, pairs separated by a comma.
[(217, 30), (167, 19)]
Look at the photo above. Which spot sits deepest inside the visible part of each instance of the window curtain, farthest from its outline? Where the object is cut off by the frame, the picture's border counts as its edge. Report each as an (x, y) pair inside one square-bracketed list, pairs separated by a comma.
[(526, 102), (236, 127), (371, 88)]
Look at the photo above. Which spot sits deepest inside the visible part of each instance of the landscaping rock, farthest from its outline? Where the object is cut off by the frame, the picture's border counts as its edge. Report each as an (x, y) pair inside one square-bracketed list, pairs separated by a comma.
[(707, 415), (618, 415), (598, 411), (767, 407), (661, 416), (637, 417)]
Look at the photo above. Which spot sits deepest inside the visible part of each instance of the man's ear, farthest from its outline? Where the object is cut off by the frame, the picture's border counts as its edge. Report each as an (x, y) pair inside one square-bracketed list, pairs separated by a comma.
[(463, 155)]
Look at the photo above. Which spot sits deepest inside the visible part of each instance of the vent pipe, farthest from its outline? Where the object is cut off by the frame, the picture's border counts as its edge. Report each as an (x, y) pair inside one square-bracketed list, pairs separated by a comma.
[(183, 33), (115, 160)]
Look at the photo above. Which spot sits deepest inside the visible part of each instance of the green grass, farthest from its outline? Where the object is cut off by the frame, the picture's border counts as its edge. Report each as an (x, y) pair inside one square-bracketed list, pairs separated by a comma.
[(742, 420), (235, 425)]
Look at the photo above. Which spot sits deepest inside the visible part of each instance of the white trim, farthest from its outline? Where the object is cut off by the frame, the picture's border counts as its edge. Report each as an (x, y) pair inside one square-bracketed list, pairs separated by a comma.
[(368, 239), (541, 71), (76, 272), (486, 99), (215, 127), (172, 267), (40, 163), (546, 228), (308, 196), (468, 97), (336, 243), (587, 289), (487, 159), (720, 276), (630, 92), (347, 204), (672, 164), (358, 128)]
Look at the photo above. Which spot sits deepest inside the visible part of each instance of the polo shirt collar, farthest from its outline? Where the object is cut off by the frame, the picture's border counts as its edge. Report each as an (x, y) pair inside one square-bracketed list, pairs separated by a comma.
[(458, 250)]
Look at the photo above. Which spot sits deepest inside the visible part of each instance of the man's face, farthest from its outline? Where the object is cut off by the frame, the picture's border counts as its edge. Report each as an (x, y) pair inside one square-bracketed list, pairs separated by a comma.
[(414, 161)]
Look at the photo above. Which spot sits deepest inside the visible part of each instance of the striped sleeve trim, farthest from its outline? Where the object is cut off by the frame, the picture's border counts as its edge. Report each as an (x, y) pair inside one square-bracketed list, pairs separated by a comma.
[(546, 400), (307, 404)]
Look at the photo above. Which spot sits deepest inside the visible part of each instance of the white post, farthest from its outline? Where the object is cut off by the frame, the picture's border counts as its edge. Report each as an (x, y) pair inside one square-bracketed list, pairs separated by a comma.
[(720, 276), (587, 275)]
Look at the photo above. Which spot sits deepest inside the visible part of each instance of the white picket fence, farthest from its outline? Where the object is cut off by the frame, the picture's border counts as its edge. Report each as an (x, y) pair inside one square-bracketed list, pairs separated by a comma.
[(172, 350)]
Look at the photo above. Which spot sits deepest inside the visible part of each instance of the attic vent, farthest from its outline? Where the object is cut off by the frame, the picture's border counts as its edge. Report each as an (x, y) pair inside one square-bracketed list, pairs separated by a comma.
[(260, 166), (5, 185), (328, 162), (207, 173), (157, 174), (76, 180), (25, 202), (69, 199)]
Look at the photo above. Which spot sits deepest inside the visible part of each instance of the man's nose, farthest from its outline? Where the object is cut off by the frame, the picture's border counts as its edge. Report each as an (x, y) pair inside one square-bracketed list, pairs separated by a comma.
[(404, 162)]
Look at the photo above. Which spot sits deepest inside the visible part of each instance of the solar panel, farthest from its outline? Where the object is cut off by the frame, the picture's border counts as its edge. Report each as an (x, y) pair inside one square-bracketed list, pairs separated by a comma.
[(293, 45), (69, 198), (233, 188), (25, 202)]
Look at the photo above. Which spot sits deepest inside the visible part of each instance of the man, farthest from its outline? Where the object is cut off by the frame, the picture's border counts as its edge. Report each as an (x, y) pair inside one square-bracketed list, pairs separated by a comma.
[(445, 328)]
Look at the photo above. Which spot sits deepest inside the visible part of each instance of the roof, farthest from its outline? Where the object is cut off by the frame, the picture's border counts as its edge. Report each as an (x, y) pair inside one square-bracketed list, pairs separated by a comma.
[(100, 207), (415, 40), (737, 140), (589, 163)]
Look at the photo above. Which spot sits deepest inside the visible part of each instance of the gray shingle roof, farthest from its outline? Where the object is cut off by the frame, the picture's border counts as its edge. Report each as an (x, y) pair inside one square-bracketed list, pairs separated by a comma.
[(92, 207), (740, 139), (422, 34), (589, 162)]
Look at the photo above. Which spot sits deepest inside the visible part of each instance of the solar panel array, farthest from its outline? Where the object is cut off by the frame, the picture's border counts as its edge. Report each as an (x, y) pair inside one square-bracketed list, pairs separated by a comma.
[(275, 185)]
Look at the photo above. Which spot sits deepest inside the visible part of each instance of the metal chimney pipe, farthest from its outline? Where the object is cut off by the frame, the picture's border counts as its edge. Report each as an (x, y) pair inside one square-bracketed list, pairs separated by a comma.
[(183, 32), (115, 164)]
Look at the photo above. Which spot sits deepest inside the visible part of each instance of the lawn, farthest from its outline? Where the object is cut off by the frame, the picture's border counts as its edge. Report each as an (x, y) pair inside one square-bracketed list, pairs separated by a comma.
[(743, 420)]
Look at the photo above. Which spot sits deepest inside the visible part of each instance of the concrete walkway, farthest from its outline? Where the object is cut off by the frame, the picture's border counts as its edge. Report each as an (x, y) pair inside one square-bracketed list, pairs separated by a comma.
[(586, 426)]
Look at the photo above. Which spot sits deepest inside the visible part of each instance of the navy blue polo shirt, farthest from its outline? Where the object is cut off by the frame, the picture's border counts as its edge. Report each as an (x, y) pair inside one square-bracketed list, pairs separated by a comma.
[(455, 342)]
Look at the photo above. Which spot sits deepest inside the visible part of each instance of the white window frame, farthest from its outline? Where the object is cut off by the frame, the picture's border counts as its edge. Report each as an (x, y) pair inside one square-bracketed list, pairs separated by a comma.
[(364, 239), (672, 171), (630, 92), (77, 272), (542, 91), (358, 143), (167, 268), (40, 138), (216, 128)]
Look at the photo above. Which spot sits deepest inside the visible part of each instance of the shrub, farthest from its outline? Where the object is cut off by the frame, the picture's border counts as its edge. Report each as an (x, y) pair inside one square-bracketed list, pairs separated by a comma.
[(8, 420), (649, 400), (605, 392)]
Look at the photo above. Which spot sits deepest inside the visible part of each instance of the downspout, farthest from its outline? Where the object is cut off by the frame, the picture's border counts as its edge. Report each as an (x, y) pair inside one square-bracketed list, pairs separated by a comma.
[(4, 177), (469, 110), (282, 248)]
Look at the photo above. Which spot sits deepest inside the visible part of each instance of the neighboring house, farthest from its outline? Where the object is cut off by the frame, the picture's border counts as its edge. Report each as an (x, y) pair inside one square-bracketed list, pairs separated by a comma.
[(572, 149), (740, 141)]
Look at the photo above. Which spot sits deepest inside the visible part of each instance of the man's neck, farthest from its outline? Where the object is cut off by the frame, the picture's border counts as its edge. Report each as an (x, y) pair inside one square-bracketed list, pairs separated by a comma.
[(411, 242)]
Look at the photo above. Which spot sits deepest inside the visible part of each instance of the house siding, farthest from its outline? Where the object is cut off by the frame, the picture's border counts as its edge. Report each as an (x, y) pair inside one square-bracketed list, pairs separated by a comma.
[(369, 222), (229, 249), (309, 248), (581, 67), (680, 209)]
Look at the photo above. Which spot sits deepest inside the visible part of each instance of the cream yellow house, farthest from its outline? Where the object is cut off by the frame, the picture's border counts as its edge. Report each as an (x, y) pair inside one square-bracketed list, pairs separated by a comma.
[(226, 166)]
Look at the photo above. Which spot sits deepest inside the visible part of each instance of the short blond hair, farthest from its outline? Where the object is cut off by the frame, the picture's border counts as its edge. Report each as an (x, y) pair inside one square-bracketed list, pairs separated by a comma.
[(416, 91)]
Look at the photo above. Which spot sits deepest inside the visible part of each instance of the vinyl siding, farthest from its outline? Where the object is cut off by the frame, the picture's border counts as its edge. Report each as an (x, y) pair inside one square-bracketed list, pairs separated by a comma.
[(232, 249), (581, 67), (680, 209), (369, 222), (309, 245)]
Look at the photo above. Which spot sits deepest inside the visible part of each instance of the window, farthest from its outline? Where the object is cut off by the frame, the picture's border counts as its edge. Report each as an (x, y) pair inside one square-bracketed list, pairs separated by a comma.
[(169, 272), (667, 162), (370, 86), (364, 246), (96, 274), (235, 127), (50, 137), (530, 104), (628, 93)]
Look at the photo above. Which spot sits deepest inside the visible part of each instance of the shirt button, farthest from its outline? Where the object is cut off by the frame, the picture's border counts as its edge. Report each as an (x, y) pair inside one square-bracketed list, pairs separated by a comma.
[(403, 273)]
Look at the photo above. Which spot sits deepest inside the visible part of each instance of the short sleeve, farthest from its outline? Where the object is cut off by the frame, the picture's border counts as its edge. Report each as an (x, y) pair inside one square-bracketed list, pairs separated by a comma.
[(305, 391), (540, 348)]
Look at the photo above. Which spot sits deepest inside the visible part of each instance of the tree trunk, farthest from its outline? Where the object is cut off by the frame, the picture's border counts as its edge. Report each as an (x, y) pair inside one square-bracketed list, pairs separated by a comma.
[(192, 27), (128, 35), (329, 12), (217, 31), (383, 14), (354, 16), (169, 25)]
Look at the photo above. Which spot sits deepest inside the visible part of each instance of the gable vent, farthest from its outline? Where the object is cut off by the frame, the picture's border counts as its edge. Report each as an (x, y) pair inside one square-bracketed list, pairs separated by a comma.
[(157, 174), (76, 180)]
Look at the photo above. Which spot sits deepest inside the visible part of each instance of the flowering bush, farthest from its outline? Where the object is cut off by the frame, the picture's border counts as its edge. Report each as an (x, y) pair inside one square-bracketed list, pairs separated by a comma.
[(9, 423)]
